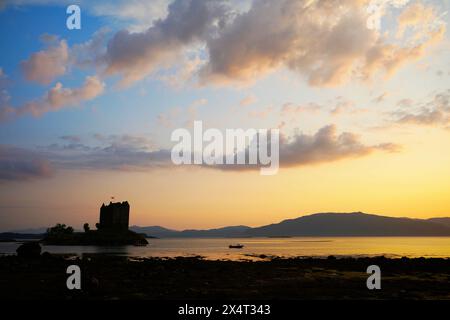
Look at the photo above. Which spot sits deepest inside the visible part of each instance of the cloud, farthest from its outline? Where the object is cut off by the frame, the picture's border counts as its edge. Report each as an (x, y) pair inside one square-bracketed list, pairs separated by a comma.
[(169, 118), (390, 57), (290, 109), (338, 106), (6, 111), (136, 55), (345, 106), (90, 53), (405, 103), (328, 42), (382, 97), (4, 80), (261, 113), (426, 117), (342, 106), (125, 140), (248, 100), (435, 112), (137, 153), (183, 73), (71, 138), (55, 99), (325, 146), (183, 117), (378, 8), (110, 152), (289, 34), (415, 15), (17, 164), (59, 97), (44, 66)]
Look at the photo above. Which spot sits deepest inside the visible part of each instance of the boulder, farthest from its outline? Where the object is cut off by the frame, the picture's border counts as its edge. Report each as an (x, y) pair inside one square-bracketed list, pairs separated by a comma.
[(29, 250)]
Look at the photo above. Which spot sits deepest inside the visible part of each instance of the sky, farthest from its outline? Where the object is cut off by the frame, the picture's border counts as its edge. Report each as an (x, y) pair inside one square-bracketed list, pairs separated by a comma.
[(360, 90)]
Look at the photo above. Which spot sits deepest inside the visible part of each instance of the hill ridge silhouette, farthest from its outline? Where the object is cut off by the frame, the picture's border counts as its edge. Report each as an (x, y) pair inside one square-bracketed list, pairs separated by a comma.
[(326, 224), (316, 224)]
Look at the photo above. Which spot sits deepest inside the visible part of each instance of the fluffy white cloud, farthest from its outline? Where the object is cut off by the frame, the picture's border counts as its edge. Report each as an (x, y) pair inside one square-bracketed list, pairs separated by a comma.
[(324, 146), (136, 55), (55, 99), (44, 66), (89, 54), (327, 41), (183, 73)]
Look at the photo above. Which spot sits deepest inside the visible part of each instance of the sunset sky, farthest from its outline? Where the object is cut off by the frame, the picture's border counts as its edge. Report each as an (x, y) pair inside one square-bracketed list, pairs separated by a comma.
[(359, 89)]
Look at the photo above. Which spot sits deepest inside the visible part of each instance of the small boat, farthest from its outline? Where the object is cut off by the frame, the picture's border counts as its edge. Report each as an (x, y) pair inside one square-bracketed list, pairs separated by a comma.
[(236, 246)]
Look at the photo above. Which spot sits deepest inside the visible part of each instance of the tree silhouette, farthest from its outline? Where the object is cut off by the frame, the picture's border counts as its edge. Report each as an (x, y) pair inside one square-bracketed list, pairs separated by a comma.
[(59, 229)]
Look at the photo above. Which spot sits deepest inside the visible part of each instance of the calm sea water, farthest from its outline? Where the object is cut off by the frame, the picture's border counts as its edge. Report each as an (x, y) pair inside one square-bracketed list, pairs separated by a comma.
[(253, 247)]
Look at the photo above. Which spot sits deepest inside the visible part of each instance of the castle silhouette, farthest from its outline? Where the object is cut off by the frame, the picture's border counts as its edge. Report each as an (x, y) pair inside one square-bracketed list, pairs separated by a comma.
[(114, 216), (112, 230)]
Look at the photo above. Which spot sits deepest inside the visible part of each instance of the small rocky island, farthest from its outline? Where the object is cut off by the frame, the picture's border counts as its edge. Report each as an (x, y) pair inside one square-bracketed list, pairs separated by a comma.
[(112, 230)]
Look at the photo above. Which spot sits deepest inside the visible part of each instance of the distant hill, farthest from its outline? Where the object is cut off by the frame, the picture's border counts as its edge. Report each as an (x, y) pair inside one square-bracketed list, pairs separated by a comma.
[(351, 224), (315, 225), (234, 231), (160, 232), (41, 230), (155, 231), (444, 221), (4, 236), (319, 224)]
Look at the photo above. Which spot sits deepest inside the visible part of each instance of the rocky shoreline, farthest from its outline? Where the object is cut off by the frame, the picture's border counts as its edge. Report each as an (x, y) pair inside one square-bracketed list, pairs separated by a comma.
[(109, 277)]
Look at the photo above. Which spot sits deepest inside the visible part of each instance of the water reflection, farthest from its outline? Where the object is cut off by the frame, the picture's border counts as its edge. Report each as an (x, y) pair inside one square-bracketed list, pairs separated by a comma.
[(255, 247)]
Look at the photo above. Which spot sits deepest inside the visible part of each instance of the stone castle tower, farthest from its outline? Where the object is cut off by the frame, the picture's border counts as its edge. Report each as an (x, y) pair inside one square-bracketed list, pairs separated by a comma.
[(114, 216)]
